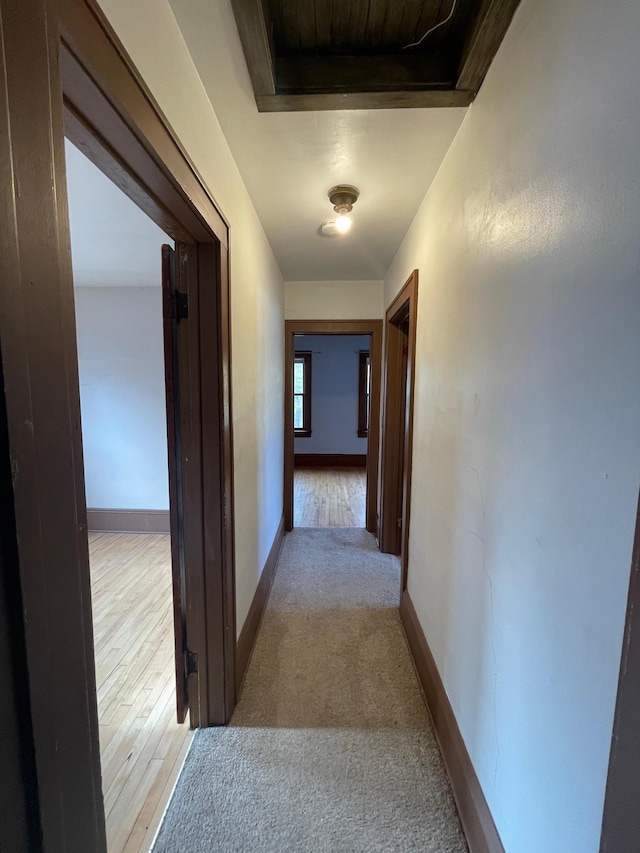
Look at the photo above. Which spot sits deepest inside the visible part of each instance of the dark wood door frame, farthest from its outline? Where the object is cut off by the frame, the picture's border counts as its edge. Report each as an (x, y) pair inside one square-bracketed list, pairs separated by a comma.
[(402, 310), (621, 819), (334, 327), (63, 71)]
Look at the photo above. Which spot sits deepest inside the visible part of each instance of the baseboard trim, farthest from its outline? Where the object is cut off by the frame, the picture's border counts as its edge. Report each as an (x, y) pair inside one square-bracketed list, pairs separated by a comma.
[(476, 818), (330, 460), (128, 520), (249, 632)]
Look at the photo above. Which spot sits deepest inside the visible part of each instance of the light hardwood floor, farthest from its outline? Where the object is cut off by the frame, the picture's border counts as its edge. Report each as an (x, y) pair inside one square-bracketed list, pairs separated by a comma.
[(142, 747), (329, 497)]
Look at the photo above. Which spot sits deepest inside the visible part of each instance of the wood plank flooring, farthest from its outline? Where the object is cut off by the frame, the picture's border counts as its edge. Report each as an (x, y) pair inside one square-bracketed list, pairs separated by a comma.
[(142, 747), (329, 497)]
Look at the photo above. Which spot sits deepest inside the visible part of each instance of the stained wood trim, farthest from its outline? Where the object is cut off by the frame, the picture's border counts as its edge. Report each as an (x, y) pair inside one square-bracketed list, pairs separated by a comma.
[(226, 512), (104, 91), (249, 632), (37, 341), (340, 327), (621, 818), (491, 25), (110, 113), (475, 815), (128, 520), (331, 327), (307, 75), (364, 101), (330, 460), (256, 44), (19, 816), (117, 123), (403, 308)]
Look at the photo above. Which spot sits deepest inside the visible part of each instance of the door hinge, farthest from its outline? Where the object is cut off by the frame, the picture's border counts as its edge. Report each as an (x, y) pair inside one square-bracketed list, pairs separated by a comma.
[(399, 522), (190, 663), (182, 306), (405, 349)]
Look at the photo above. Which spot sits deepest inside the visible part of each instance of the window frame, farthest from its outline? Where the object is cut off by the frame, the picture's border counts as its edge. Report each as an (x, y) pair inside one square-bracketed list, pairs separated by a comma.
[(303, 356), (364, 393)]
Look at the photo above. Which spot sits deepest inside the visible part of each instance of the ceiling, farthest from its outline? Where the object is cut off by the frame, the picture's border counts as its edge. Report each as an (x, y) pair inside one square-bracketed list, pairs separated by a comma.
[(290, 160), (113, 243), (321, 54)]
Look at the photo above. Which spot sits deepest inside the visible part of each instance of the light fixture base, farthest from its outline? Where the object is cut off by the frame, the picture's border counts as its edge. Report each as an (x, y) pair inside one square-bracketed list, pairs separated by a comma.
[(343, 197)]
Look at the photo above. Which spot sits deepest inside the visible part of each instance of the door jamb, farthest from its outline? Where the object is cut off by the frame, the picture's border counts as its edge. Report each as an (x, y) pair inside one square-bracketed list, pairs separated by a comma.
[(333, 327), (112, 117), (403, 307), (63, 62)]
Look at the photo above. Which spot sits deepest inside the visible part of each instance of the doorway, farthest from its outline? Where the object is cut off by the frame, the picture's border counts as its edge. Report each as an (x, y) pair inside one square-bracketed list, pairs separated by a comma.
[(136, 607), (340, 458), (64, 72), (397, 429), (331, 396)]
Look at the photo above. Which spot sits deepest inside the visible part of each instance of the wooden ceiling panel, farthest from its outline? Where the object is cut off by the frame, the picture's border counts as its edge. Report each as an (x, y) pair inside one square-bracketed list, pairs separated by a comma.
[(341, 15), (359, 26), (321, 53), (323, 18)]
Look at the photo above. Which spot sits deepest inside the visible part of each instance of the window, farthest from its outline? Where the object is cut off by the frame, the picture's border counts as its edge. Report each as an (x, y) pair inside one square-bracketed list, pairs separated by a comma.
[(364, 394), (302, 394)]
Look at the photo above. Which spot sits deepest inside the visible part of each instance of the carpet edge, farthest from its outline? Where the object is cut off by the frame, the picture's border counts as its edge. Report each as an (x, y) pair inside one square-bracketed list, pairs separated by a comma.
[(473, 809), (247, 637)]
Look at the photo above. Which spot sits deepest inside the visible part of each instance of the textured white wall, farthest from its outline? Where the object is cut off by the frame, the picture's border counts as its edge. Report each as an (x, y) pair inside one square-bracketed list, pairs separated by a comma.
[(527, 416), (335, 378), (150, 34), (333, 300), (124, 426)]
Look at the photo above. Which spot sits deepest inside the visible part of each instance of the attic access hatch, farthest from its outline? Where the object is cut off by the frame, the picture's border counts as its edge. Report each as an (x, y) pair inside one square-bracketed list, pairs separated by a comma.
[(355, 54)]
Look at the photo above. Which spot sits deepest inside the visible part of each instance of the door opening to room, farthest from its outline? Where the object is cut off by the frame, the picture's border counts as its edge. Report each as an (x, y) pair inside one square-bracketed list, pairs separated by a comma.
[(332, 423), (129, 399), (331, 396), (82, 85)]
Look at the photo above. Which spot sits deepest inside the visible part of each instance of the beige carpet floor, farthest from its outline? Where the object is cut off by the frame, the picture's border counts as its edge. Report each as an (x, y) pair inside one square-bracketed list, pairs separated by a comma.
[(331, 747)]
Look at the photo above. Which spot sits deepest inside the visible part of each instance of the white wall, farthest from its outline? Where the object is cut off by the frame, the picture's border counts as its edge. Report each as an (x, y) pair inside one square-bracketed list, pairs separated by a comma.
[(527, 417), (124, 426), (335, 373), (333, 300), (151, 36)]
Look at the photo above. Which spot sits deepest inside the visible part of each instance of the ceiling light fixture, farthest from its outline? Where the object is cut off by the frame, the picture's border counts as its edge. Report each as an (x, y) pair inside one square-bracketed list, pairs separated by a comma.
[(343, 224), (343, 197)]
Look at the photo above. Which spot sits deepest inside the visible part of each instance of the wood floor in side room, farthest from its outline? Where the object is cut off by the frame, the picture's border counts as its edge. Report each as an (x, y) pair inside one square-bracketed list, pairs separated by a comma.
[(329, 497), (142, 747)]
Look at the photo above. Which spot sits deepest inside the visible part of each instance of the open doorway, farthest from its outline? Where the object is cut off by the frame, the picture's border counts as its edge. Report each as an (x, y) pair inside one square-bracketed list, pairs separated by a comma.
[(81, 84), (332, 412), (117, 253), (331, 403)]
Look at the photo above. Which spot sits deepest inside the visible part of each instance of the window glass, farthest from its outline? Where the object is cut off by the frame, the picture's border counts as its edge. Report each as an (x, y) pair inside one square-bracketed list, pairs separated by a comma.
[(302, 394)]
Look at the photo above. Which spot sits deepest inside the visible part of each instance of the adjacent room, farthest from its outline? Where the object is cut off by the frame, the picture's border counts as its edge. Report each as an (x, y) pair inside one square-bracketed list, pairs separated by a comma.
[(331, 393), (116, 251)]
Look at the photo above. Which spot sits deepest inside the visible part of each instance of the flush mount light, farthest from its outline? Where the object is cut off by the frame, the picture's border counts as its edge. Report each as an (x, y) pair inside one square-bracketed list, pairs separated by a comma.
[(343, 197)]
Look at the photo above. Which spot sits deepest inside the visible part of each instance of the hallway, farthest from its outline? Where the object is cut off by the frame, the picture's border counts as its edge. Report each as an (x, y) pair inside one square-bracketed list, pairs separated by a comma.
[(331, 746)]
